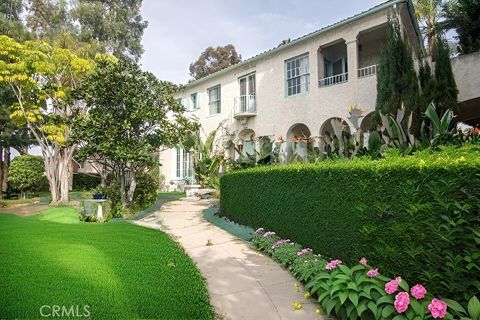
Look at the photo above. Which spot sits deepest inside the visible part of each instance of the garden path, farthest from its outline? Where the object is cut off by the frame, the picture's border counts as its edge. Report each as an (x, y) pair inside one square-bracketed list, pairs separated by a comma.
[(242, 283)]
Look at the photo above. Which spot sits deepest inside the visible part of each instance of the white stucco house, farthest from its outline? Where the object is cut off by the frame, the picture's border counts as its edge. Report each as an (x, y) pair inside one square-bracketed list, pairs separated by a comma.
[(294, 89)]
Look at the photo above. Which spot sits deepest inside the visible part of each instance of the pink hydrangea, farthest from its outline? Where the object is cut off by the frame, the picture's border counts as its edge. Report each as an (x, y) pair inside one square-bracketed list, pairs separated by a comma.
[(278, 243), (268, 234), (438, 308), (418, 291), (333, 264), (402, 301), (373, 273), (392, 286), (363, 261), (304, 252)]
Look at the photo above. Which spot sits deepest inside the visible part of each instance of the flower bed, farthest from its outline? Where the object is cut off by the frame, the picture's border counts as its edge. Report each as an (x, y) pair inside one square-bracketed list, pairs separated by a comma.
[(359, 292)]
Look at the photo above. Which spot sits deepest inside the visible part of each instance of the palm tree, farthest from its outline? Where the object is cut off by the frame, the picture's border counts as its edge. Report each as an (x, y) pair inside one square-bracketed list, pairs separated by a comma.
[(429, 13)]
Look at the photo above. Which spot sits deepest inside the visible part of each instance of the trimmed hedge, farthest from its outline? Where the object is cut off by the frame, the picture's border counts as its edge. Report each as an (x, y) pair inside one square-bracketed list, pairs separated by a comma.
[(85, 181), (395, 211)]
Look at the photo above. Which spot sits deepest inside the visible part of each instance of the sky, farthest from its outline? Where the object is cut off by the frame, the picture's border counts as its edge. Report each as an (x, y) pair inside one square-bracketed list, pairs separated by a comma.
[(178, 31)]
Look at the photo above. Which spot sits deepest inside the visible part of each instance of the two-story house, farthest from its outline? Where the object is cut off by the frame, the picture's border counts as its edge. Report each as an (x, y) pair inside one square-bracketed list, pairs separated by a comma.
[(296, 88)]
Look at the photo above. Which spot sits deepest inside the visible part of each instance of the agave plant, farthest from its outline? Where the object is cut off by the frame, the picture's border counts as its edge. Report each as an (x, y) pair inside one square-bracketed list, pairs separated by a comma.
[(395, 132), (439, 129)]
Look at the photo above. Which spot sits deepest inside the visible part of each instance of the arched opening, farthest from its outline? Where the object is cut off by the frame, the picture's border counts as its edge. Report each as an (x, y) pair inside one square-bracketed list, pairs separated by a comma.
[(332, 130), (246, 144), (298, 132)]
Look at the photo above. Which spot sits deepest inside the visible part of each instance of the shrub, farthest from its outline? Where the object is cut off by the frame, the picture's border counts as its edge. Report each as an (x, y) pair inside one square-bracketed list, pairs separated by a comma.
[(415, 215), (144, 196), (26, 173), (360, 292), (85, 181)]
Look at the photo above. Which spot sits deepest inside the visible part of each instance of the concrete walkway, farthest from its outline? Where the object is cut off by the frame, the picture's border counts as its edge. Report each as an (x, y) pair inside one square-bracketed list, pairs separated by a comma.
[(242, 283)]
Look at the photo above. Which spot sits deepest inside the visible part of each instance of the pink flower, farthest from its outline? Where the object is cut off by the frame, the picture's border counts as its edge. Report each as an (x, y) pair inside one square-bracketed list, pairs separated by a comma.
[(438, 308), (363, 261), (391, 286), (402, 301), (418, 291), (268, 234), (260, 231), (333, 264), (373, 273)]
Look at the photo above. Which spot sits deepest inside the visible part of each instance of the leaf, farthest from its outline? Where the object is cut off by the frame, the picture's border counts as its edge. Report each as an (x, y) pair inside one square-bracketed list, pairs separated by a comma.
[(345, 269), (353, 296), (373, 307), (404, 285), (343, 296), (399, 317), (330, 305), (385, 299), (417, 307), (323, 296), (352, 285), (387, 311), (454, 305), (474, 308)]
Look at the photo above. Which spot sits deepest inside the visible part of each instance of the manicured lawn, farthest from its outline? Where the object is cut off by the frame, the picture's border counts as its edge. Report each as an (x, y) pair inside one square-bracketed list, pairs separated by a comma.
[(117, 269)]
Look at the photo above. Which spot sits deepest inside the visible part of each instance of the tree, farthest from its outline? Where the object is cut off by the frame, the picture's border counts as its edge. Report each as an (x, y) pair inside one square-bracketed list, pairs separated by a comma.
[(397, 81), (11, 135), (130, 115), (463, 16), (110, 26), (26, 173), (446, 92), (428, 13), (42, 78), (116, 24), (214, 59)]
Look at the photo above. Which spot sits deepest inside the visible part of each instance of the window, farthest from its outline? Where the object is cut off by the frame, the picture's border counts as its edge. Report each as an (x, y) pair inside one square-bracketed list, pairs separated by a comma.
[(184, 165), (194, 101), (178, 172), (214, 100), (298, 77)]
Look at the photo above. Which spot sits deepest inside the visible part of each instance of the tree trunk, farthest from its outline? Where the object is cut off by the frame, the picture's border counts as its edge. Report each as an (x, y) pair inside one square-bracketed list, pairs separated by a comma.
[(1, 172), (123, 197), (51, 167), (6, 165), (65, 161), (131, 188)]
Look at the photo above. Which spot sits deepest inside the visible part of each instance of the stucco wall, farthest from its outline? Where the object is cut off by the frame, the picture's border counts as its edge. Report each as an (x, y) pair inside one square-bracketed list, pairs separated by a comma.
[(276, 112), (466, 69)]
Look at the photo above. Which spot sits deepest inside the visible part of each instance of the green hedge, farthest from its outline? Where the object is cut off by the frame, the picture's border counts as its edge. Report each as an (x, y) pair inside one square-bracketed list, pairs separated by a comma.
[(85, 181), (398, 212)]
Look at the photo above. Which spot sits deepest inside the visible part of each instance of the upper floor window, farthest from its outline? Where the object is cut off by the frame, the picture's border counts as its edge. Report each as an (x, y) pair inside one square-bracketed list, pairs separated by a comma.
[(194, 103), (298, 76), (214, 100)]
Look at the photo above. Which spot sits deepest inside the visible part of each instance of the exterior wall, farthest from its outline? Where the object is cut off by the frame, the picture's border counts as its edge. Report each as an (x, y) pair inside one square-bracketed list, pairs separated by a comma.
[(276, 112), (466, 69)]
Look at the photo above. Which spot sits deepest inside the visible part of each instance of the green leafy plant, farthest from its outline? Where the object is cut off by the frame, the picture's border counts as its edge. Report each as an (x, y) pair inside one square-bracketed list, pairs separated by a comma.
[(438, 130)]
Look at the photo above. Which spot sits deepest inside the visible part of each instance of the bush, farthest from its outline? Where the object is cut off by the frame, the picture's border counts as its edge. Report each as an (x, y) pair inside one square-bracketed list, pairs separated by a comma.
[(360, 292), (145, 194), (26, 173), (415, 215), (85, 181)]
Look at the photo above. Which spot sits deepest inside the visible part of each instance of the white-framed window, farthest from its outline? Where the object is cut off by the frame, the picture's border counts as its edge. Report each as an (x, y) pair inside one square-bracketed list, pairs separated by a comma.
[(194, 103), (184, 164), (297, 75), (214, 100)]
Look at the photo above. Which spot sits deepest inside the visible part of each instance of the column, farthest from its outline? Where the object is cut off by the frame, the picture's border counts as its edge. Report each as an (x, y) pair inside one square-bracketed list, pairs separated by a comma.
[(352, 59)]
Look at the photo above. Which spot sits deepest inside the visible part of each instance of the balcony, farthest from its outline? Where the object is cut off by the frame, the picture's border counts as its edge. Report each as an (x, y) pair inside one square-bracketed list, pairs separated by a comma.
[(333, 80), (367, 71), (245, 106)]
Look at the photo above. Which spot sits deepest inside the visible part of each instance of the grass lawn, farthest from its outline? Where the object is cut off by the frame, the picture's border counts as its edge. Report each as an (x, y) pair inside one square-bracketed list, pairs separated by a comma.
[(118, 270)]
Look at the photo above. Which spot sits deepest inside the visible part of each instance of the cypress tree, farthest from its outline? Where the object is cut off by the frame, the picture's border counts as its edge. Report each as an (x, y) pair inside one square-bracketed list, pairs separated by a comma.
[(446, 92), (397, 80)]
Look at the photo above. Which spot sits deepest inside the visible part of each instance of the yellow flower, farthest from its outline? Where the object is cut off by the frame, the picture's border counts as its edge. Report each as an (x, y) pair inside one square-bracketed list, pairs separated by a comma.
[(296, 305), (306, 294), (318, 310)]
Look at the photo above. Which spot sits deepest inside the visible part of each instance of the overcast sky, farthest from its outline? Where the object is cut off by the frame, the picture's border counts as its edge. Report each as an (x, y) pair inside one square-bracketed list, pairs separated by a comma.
[(180, 30)]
